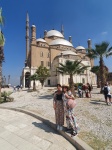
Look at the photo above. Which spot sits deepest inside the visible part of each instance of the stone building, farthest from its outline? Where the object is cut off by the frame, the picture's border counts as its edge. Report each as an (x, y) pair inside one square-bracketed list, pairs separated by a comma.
[(109, 78), (49, 51)]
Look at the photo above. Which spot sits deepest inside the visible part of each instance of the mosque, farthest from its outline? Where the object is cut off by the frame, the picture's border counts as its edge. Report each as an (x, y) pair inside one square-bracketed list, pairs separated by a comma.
[(51, 50)]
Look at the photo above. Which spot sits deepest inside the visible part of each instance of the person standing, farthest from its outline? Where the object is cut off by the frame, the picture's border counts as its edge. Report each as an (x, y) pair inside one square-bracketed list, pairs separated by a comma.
[(109, 96), (59, 108), (72, 126), (89, 90), (79, 91), (83, 91), (86, 91)]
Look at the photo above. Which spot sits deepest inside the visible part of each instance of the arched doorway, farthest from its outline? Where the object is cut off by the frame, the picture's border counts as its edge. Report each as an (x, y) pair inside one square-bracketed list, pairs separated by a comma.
[(27, 80)]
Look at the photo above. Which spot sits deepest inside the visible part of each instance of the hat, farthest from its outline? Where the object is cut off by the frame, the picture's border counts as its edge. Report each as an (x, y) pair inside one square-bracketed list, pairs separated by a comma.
[(65, 85)]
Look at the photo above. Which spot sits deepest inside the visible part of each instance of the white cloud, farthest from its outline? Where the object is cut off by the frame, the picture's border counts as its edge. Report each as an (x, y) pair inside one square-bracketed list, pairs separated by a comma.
[(104, 33)]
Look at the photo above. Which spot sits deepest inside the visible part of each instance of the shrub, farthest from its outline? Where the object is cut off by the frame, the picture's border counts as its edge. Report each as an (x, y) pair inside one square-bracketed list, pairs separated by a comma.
[(5, 97)]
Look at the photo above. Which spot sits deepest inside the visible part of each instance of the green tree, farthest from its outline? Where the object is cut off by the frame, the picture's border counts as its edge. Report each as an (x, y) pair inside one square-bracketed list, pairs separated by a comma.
[(43, 74), (33, 78), (71, 68), (101, 50), (2, 42)]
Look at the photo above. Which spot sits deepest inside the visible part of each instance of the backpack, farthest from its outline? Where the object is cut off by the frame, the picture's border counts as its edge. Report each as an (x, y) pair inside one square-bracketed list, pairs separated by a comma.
[(105, 90)]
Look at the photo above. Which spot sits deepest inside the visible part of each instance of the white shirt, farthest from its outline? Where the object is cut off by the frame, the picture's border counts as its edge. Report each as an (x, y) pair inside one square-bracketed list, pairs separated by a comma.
[(108, 90)]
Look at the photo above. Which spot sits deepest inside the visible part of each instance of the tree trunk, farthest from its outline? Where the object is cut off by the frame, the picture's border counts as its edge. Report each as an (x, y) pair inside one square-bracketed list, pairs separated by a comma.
[(42, 83), (102, 74), (98, 81), (34, 86), (72, 84)]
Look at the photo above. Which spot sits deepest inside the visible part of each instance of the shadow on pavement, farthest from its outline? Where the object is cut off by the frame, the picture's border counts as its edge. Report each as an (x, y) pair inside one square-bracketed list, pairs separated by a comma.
[(46, 97), (44, 127), (97, 102)]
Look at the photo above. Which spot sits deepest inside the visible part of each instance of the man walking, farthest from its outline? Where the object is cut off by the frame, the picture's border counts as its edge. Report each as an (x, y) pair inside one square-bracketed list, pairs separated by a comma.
[(107, 95)]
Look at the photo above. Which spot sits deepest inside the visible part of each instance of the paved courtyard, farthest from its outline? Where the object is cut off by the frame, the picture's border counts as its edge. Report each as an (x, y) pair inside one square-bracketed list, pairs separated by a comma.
[(93, 115), (19, 131)]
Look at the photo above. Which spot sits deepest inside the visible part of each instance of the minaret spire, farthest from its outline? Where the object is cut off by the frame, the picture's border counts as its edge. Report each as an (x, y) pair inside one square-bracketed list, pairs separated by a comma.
[(27, 35), (62, 29)]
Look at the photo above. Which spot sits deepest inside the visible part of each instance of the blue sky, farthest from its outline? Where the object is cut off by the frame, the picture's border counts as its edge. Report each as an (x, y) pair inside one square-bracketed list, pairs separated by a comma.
[(82, 19)]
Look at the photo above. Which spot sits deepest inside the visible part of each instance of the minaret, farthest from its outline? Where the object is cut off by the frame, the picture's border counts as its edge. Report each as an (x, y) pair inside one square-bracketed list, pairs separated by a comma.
[(33, 34), (89, 44), (62, 29), (27, 35), (90, 47), (45, 33)]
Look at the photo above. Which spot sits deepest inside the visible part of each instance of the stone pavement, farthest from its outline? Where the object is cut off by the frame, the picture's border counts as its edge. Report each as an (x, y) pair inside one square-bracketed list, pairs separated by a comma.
[(19, 131), (93, 115)]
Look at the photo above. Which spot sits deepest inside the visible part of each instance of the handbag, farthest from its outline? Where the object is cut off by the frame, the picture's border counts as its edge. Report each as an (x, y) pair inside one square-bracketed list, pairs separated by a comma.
[(71, 103)]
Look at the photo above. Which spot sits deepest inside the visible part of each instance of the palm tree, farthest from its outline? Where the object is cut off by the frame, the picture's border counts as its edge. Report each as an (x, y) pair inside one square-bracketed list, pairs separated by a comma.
[(2, 42), (43, 74), (71, 68), (101, 50), (34, 78), (96, 70)]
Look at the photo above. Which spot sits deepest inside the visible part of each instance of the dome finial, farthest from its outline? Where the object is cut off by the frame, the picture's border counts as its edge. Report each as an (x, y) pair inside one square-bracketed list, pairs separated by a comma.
[(62, 29), (27, 17)]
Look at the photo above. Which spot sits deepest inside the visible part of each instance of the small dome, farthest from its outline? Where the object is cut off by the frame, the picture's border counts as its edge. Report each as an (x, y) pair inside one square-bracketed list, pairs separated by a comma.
[(61, 42), (33, 26), (67, 53), (80, 48), (41, 40), (54, 33), (27, 67)]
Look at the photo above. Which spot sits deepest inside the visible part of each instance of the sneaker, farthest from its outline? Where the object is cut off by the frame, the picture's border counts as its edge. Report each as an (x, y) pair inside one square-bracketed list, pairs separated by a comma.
[(109, 104), (58, 127)]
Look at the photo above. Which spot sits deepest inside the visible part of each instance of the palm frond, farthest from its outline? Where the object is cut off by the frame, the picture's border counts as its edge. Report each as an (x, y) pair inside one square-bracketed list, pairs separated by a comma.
[(109, 54), (2, 39), (1, 18), (71, 67), (101, 49), (92, 54), (109, 50)]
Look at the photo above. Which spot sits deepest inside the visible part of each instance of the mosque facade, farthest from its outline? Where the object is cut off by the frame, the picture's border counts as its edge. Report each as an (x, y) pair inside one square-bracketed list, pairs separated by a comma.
[(51, 50)]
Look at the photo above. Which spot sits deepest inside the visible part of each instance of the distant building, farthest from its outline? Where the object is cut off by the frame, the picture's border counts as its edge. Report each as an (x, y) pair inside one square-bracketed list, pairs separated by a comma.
[(109, 79), (51, 50)]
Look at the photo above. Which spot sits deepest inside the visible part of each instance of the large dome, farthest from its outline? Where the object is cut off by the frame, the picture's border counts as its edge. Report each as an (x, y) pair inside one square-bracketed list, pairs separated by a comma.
[(61, 42), (41, 40), (79, 48), (54, 33)]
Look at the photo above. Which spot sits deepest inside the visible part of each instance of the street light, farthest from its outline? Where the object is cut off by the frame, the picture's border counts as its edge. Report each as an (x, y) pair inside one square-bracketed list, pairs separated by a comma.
[(8, 79)]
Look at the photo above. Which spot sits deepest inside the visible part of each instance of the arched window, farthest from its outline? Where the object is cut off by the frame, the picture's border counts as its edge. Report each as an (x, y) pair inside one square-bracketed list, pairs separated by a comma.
[(48, 55), (83, 80), (41, 54)]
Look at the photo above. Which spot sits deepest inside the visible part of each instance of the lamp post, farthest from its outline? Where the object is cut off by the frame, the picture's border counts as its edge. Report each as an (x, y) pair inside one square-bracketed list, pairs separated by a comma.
[(8, 79), (4, 80)]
